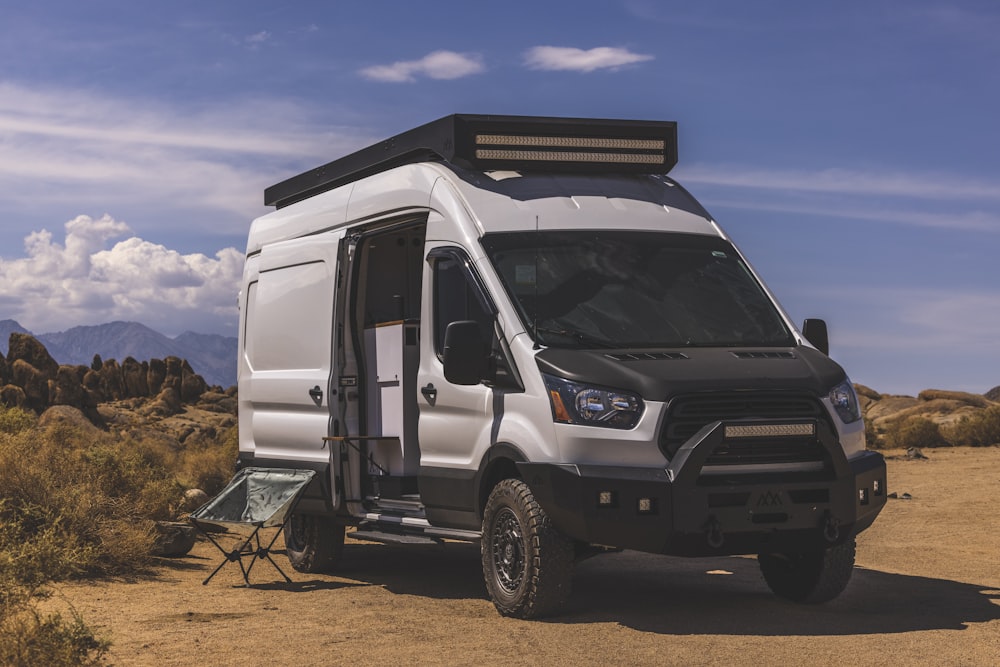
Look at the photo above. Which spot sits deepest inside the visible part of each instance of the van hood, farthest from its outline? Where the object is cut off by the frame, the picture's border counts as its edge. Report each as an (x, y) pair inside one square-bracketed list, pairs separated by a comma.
[(659, 375)]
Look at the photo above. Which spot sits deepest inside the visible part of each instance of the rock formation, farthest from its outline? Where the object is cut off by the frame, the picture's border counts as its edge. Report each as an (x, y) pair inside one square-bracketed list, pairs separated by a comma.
[(30, 378)]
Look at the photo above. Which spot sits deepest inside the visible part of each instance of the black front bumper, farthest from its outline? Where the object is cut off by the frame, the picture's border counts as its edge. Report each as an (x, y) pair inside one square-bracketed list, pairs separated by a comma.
[(682, 510)]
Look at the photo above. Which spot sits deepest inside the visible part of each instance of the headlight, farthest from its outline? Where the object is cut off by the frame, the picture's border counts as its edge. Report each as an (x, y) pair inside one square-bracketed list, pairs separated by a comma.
[(845, 401), (574, 403)]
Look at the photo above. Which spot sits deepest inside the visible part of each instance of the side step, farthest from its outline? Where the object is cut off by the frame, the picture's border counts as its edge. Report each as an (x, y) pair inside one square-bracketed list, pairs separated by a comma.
[(390, 538)]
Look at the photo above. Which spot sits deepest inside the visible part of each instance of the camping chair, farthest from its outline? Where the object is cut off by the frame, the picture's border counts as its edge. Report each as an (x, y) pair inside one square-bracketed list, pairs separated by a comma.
[(255, 498)]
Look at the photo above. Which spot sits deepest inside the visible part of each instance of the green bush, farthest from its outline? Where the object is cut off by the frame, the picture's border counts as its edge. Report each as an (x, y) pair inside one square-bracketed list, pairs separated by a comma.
[(914, 432), (979, 430), (15, 420)]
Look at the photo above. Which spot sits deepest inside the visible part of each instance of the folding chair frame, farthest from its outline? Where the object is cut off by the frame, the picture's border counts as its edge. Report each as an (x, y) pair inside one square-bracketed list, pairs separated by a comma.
[(221, 512), (250, 547)]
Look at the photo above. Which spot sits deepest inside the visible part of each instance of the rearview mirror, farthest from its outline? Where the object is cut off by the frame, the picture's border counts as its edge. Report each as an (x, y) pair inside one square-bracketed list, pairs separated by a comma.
[(815, 332)]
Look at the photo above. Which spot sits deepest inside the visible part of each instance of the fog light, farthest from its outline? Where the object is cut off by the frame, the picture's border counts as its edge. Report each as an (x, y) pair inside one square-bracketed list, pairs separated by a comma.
[(606, 498), (863, 496), (646, 505)]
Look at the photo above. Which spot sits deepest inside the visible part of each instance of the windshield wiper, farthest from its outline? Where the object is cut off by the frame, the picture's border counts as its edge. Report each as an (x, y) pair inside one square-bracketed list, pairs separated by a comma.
[(580, 337)]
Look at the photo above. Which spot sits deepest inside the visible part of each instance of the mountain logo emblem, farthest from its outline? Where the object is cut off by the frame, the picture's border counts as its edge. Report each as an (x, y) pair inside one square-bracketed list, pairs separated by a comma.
[(769, 499)]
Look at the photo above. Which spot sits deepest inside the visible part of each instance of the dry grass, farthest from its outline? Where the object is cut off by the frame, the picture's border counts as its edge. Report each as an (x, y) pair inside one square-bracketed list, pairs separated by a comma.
[(78, 502)]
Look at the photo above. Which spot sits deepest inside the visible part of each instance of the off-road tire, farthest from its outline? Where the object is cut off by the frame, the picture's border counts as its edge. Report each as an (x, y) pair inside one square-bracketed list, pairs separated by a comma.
[(313, 543), (527, 563), (812, 577)]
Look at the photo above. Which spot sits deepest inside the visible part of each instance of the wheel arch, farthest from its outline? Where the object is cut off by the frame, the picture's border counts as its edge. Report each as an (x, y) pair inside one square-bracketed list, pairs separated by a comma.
[(499, 463)]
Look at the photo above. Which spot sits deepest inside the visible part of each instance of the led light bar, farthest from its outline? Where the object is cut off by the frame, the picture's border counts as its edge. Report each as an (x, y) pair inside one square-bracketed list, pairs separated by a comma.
[(737, 431), (550, 156), (570, 142), (572, 148), (507, 143)]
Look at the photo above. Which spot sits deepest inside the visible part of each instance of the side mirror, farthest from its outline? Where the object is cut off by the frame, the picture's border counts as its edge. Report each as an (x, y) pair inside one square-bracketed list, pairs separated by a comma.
[(816, 333), (465, 355)]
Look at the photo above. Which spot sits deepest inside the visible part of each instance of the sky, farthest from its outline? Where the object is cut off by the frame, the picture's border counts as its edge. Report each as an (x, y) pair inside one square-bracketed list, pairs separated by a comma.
[(851, 149)]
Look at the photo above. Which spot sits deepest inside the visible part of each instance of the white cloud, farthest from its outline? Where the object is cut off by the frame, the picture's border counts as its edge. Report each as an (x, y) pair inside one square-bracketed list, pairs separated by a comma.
[(256, 39), (970, 221), (82, 281), (579, 60), (436, 65), (82, 150), (907, 198), (882, 183)]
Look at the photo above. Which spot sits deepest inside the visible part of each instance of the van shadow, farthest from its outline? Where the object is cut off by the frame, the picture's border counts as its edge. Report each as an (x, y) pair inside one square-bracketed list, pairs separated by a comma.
[(719, 596), (680, 596)]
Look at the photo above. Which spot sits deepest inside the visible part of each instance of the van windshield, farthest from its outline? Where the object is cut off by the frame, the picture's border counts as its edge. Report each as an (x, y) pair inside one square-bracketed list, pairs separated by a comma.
[(627, 289)]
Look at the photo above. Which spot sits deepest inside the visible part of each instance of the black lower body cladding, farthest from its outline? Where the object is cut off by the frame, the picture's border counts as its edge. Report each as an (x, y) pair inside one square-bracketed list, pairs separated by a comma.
[(681, 511)]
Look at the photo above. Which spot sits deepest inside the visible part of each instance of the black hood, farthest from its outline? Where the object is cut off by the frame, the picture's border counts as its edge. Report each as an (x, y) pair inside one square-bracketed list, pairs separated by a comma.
[(659, 375)]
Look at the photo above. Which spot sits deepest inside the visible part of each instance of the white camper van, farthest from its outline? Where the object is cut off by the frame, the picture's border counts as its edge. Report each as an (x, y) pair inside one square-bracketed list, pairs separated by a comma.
[(520, 331)]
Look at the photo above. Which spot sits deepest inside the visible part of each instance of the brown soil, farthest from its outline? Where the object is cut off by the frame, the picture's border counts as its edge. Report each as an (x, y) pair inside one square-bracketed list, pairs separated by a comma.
[(926, 591)]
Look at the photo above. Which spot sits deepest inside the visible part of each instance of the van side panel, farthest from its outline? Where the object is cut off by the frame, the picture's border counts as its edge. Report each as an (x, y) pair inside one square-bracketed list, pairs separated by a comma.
[(286, 358)]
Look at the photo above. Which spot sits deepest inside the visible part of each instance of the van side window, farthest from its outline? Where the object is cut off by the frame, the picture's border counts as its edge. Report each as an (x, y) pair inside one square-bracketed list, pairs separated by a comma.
[(456, 298)]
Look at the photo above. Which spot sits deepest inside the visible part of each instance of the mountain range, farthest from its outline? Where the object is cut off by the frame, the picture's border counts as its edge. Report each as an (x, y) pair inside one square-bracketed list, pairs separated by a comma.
[(212, 356)]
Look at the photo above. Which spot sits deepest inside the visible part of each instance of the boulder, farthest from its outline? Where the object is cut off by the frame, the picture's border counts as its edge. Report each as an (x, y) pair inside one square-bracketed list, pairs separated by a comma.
[(134, 378), (155, 375), (193, 499), (34, 382), (167, 403), (174, 539), (192, 384), (13, 396), (69, 416), (92, 385), (67, 387), (27, 348), (111, 381)]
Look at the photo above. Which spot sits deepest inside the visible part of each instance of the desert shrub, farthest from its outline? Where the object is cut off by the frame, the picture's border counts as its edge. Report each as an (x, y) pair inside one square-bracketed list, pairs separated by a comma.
[(30, 638), (15, 420), (92, 498), (914, 432), (872, 438), (979, 430), (26, 561), (209, 465)]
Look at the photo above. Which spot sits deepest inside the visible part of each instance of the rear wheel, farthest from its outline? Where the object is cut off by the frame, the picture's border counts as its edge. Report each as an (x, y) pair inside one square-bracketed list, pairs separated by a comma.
[(527, 563), (313, 543), (812, 577)]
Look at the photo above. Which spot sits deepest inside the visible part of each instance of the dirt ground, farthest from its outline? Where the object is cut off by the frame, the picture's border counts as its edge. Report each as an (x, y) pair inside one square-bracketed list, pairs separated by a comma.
[(926, 590)]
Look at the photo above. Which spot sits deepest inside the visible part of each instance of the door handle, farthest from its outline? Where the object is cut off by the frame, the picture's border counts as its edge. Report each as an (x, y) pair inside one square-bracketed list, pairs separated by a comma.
[(429, 392), (316, 394)]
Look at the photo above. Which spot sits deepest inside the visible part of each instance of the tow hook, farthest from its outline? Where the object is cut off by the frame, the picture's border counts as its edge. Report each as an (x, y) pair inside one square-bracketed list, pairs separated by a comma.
[(831, 528), (713, 533)]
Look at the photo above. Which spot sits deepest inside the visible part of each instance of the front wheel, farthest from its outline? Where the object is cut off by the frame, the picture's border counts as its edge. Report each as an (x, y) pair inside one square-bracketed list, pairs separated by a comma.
[(527, 563), (313, 543), (811, 577)]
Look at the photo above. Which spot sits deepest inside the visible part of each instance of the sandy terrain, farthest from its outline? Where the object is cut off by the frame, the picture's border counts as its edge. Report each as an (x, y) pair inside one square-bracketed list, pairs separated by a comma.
[(926, 591)]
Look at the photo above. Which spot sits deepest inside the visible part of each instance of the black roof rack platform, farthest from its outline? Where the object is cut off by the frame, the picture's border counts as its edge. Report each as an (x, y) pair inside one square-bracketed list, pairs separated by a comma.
[(516, 143)]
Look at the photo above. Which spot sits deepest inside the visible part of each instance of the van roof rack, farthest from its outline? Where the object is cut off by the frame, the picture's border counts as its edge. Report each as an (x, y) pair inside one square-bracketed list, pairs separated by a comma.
[(515, 143)]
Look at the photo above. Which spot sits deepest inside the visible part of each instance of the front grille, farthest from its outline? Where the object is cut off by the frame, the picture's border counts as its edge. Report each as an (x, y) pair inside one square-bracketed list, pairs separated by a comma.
[(759, 452), (687, 415)]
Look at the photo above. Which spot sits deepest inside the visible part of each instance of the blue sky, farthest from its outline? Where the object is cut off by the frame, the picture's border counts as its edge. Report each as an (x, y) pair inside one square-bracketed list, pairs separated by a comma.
[(851, 149)]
